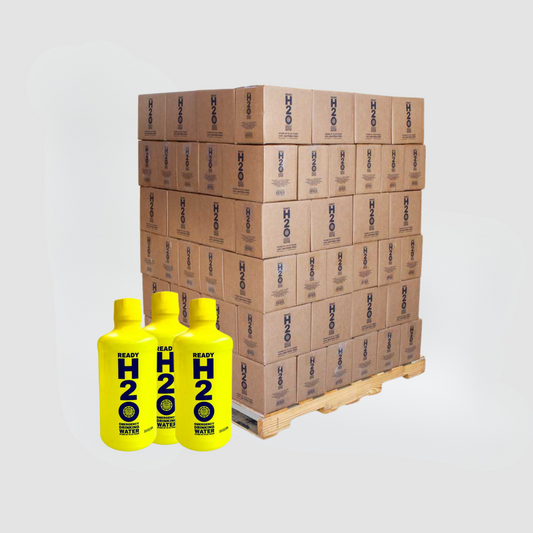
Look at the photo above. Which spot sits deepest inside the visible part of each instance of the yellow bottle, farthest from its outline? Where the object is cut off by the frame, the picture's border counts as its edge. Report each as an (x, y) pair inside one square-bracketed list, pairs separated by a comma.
[(165, 327), (203, 380), (127, 367)]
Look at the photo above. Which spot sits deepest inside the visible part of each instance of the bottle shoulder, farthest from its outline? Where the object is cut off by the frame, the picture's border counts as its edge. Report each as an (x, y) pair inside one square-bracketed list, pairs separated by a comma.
[(118, 337), (166, 328), (204, 335)]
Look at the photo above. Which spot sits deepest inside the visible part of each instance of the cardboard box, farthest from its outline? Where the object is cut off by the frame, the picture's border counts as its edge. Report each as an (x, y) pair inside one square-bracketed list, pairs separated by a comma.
[(210, 168), (260, 173), (331, 223), (152, 116), (215, 116), (371, 217), (369, 309), (365, 353), (411, 257), (273, 115), (313, 172), (407, 120), (189, 265), (368, 169), (365, 262), (149, 253), (402, 302), (373, 117), (264, 389), (388, 349), (311, 277), (411, 338), (154, 210), (166, 155), (217, 222), (147, 320), (168, 251), (226, 318), (181, 116), (339, 365), (311, 375), (333, 120), (212, 272), (186, 296), (390, 261), (330, 321), (151, 285), (341, 159), (405, 213), (147, 163), (184, 216), (271, 337), (272, 230), (262, 285), (339, 271), (392, 167), (188, 163), (415, 167)]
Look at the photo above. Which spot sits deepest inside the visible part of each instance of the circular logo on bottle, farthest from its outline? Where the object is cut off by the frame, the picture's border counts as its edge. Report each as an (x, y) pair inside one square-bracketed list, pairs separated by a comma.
[(165, 405), (204, 411), (128, 411)]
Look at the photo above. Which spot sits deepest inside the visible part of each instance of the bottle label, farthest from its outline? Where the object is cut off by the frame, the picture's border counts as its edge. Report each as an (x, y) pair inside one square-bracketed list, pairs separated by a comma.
[(128, 411), (165, 388), (203, 371)]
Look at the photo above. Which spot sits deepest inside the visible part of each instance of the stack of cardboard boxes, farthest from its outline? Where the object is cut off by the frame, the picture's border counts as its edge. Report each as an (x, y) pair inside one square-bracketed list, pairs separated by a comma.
[(299, 211)]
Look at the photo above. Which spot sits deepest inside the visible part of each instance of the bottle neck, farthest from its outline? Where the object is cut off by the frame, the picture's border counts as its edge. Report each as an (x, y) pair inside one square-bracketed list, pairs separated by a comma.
[(130, 324), (197, 324), (167, 317)]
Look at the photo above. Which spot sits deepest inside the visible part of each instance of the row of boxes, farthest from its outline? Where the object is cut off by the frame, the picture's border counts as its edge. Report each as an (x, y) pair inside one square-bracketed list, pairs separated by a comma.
[(281, 228), (280, 115), (274, 173), (278, 283)]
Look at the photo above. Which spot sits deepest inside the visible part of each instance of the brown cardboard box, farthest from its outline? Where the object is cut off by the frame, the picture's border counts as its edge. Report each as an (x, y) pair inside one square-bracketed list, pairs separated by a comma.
[(411, 338), (411, 257), (215, 116), (147, 320), (272, 230), (365, 261), (184, 216), (405, 213), (271, 337), (311, 277), (339, 271), (388, 349), (189, 263), (368, 169), (210, 171), (311, 378), (217, 222), (341, 159), (371, 217), (154, 210), (365, 352), (372, 118), (407, 120), (369, 309), (415, 167), (273, 115), (402, 302), (331, 223), (313, 172), (181, 116), (168, 252), (226, 318), (152, 116), (333, 120), (212, 272), (264, 389), (260, 173), (262, 285), (151, 285), (339, 365), (186, 296), (330, 321), (149, 253), (390, 261), (166, 155), (188, 175), (392, 167), (148, 163)]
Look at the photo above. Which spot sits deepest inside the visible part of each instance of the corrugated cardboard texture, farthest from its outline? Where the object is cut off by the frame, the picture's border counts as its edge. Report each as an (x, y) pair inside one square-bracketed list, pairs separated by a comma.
[(147, 163), (390, 259), (371, 217), (152, 116), (311, 277), (149, 253), (392, 167), (311, 375), (368, 169), (217, 222), (154, 210), (341, 159), (186, 296), (330, 321), (372, 118), (248, 383), (187, 156), (339, 365), (168, 259), (411, 257), (151, 285), (333, 119), (405, 213), (313, 172), (411, 338), (184, 216), (388, 349), (365, 261), (280, 385), (210, 168), (415, 167), (212, 272), (339, 271), (166, 155), (369, 310), (331, 223), (226, 319), (181, 116), (215, 116), (402, 302), (365, 353), (407, 120), (189, 263)]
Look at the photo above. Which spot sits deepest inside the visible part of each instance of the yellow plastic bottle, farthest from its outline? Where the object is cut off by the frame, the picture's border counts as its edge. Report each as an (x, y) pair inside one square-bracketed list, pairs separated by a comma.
[(127, 372), (203, 380), (165, 327)]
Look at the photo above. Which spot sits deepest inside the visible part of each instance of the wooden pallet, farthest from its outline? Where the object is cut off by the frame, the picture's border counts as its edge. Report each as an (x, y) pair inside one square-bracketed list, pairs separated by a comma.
[(266, 426)]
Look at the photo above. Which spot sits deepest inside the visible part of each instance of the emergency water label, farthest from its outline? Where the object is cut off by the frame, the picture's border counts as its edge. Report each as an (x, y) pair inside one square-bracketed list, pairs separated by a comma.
[(204, 410), (165, 388), (128, 410)]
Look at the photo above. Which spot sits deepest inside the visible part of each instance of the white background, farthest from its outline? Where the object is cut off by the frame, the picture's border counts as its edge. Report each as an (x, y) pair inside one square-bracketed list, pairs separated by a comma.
[(449, 450)]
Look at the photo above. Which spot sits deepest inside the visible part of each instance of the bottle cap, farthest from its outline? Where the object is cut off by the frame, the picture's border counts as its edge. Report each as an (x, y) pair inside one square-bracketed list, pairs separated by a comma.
[(128, 309), (202, 309), (165, 303)]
